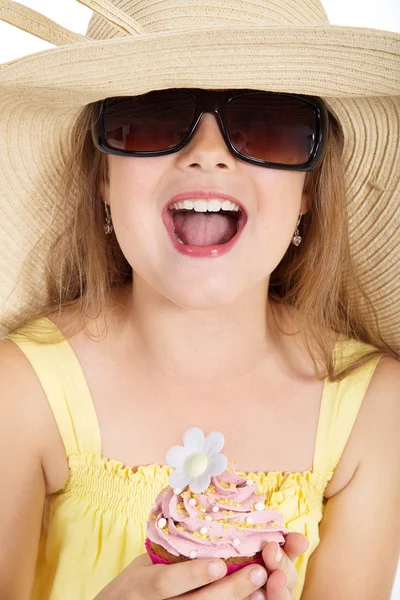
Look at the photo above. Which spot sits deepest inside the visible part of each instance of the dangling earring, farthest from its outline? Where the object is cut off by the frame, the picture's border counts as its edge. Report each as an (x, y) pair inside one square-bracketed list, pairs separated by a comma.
[(296, 241), (108, 228)]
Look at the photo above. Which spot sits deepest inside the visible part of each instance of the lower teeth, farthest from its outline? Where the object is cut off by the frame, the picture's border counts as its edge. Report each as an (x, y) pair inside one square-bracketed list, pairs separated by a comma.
[(177, 237)]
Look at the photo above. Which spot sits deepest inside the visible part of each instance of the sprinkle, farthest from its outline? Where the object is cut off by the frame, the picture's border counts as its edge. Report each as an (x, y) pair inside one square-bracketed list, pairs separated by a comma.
[(259, 506), (161, 523), (236, 542), (233, 486), (249, 482), (203, 530), (215, 509), (192, 501), (249, 520), (178, 491), (192, 554), (203, 510), (208, 518)]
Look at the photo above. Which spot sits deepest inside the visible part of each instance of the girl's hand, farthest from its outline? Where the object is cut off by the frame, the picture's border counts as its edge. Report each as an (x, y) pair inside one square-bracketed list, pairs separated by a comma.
[(282, 572), (141, 580)]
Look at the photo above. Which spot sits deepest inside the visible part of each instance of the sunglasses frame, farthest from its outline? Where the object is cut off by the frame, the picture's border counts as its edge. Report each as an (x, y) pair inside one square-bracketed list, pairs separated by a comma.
[(216, 102)]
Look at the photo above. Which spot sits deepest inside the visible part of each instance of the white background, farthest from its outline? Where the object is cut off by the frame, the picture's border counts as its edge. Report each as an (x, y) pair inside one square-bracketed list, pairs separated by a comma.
[(377, 14)]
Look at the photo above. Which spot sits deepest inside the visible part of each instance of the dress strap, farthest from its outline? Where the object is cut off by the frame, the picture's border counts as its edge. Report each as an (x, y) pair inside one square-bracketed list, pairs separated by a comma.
[(340, 404), (64, 384)]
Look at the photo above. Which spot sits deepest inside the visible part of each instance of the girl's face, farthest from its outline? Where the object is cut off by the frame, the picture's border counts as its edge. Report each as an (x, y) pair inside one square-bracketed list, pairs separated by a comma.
[(138, 189)]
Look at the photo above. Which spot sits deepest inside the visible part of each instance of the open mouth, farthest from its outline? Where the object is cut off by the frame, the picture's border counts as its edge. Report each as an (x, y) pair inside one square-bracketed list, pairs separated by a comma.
[(205, 229)]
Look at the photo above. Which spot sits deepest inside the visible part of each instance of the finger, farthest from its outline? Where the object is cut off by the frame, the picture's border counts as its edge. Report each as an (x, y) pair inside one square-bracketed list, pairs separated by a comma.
[(158, 582), (276, 558), (257, 595), (295, 544), (238, 585), (277, 588)]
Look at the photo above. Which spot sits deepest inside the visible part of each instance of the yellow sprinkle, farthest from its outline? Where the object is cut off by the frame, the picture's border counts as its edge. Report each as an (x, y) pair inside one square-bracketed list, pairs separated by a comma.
[(233, 486), (163, 493), (224, 485), (180, 528)]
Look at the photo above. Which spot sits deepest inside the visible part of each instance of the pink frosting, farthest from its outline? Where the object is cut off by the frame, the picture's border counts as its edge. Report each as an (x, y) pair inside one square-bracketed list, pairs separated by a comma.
[(228, 534)]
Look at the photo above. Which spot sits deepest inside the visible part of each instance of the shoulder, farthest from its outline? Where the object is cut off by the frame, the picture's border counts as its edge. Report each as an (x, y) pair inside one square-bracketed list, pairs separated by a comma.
[(24, 406), (374, 438)]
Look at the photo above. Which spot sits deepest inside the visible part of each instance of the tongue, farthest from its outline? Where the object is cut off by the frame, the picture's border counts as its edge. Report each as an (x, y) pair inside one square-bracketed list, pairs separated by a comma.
[(204, 229)]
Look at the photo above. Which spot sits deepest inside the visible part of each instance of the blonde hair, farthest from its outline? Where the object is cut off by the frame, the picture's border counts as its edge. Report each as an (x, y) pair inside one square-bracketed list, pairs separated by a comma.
[(84, 265)]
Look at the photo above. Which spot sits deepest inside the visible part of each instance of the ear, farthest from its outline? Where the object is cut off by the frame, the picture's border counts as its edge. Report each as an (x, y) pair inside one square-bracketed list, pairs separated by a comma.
[(305, 203), (104, 185), (305, 196)]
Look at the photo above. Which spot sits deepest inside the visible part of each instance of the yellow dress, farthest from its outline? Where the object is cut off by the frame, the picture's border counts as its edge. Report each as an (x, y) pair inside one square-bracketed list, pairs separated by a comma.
[(95, 526)]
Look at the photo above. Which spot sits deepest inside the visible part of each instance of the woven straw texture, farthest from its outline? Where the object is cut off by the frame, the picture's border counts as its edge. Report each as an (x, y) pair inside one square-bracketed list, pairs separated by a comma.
[(132, 47)]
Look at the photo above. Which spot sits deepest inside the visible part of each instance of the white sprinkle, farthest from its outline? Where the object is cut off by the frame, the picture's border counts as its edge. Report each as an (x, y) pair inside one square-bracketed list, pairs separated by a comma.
[(154, 507), (192, 554), (178, 491), (203, 510), (249, 482), (236, 542), (192, 501), (249, 520), (203, 530), (259, 506), (208, 518), (161, 522), (215, 508)]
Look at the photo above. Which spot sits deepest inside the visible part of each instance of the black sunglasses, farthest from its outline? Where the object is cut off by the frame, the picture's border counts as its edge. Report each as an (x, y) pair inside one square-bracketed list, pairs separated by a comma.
[(269, 129)]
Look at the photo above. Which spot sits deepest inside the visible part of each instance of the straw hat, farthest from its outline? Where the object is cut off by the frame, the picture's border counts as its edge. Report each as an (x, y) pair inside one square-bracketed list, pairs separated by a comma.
[(133, 47)]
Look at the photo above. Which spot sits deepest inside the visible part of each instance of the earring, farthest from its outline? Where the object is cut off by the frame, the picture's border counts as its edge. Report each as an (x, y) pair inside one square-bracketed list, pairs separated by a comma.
[(296, 241), (108, 228)]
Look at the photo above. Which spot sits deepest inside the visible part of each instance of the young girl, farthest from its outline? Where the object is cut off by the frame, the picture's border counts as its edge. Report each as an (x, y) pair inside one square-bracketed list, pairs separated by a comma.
[(208, 198)]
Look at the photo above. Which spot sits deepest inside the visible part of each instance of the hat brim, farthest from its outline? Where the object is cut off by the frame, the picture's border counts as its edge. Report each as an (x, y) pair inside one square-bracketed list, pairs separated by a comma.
[(322, 60)]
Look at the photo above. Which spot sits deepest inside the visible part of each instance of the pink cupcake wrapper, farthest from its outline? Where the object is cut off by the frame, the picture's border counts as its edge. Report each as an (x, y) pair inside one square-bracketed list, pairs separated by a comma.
[(231, 568)]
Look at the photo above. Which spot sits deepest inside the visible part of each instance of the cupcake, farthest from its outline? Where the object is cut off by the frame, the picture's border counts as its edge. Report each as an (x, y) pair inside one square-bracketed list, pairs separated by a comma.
[(209, 510)]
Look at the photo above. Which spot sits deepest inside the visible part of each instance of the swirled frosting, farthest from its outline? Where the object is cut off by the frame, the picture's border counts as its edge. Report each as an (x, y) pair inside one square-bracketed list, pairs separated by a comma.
[(229, 519)]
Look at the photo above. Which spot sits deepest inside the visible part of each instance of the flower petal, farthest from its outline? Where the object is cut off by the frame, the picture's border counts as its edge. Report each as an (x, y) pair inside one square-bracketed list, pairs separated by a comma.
[(178, 479), (214, 443), (217, 464), (193, 440), (176, 456), (200, 484)]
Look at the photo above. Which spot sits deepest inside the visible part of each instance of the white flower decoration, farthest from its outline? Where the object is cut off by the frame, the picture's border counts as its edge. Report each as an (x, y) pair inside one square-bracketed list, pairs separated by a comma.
[(197, 460)]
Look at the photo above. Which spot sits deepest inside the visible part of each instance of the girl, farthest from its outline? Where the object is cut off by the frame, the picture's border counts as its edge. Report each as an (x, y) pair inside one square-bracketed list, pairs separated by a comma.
[(207, 209)]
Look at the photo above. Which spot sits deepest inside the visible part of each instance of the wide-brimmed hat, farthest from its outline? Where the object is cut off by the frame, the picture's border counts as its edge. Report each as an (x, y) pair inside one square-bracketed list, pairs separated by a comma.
[(133, 47)]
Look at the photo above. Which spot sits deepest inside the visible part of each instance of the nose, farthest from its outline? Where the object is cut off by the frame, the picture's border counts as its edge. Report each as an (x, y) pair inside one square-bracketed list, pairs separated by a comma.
[(207, 147)]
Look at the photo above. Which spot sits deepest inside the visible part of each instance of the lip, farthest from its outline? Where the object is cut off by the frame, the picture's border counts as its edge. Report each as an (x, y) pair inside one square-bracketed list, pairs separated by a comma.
[(202, 195), (203, 251)]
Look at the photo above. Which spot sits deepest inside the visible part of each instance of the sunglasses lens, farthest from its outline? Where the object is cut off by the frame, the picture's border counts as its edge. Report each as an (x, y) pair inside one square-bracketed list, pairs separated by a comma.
[(272, 127), (153, 122)]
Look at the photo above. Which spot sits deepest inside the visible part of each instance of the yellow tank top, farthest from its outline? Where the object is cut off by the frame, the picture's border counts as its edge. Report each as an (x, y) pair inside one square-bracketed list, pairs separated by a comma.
[(94, 527)]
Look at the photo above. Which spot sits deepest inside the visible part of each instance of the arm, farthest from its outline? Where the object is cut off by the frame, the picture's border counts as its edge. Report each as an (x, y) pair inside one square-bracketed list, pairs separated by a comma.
[(360, 532), (22, 492)]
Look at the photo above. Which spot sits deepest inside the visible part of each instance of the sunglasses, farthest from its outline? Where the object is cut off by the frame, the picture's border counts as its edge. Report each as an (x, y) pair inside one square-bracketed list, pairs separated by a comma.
[(269, 129)]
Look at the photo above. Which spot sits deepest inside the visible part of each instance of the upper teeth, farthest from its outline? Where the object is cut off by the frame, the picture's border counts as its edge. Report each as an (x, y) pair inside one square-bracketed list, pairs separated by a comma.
[(206, 205)]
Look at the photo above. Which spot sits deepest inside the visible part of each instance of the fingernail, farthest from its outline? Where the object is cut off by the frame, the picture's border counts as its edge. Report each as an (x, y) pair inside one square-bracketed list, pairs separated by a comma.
[(215, 568), (278, 554), (258, 576), (257, 596)]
